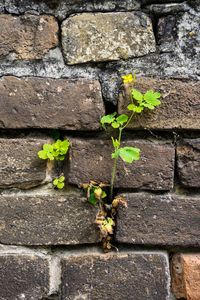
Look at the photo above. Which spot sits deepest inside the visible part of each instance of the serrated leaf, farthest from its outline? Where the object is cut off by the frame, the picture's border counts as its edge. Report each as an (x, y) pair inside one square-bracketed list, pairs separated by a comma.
[(116, 154), (122, 119), (137, 96), (148, 105), (42, 154), (131, 107), (139, 109), (60, 185), (152, 98), (129, 154), (108, 119), (115, 125)]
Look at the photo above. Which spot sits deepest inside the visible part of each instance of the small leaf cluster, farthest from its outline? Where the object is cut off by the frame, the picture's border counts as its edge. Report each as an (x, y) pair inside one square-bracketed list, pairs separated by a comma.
[(59, 182), (113, 121), (148, 100), (94, 192), (55, 151)]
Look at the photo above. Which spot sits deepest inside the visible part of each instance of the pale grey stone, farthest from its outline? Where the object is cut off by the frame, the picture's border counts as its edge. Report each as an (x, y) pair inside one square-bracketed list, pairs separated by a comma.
[(104, 37)]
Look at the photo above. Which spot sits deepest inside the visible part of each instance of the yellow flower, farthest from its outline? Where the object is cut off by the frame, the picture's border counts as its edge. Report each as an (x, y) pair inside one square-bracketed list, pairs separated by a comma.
[(127, 78)]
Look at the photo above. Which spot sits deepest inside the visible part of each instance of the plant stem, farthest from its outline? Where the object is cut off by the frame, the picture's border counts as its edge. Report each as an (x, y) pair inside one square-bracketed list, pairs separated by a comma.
[(114, 166)]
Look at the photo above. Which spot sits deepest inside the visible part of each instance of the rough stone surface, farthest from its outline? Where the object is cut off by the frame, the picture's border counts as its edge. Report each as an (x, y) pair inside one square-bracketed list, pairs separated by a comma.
[(121, 277), (23, 277), (159, 220), (47, 220), (109, 36), (20, 165), (27, 37), (63, 8), (185, 272), (50, 103), (180, 101), (188, 162), (91, 160)]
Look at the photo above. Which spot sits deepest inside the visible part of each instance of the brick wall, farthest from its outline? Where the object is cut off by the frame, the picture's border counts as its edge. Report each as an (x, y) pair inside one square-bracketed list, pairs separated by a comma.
[(61, 64)]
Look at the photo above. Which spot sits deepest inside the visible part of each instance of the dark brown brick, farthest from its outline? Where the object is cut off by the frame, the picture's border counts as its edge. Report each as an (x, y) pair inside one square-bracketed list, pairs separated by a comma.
[(28, 36), (159, 220), (23, 277), (47, 220), (20, 165), (50, 103), (91, 160), (185, 273), (120, 277), (188, 162), (179, 109)]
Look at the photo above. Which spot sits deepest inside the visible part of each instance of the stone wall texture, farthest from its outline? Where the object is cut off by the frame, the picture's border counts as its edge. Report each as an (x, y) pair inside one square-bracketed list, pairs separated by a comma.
[(61, 68)]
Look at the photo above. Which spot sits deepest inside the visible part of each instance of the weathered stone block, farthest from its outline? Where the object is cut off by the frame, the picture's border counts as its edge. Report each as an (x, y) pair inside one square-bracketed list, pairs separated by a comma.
[(28, 36), (50, 103), (188, 162), (23, 277), (91, 160), (185, 272), (108, 36), (47, 220), (180, 101), (159, 220), (20, 165), (120, 277)]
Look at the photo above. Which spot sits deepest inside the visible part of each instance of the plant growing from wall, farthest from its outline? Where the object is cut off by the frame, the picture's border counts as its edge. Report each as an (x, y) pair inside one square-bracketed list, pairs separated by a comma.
[(56, 151), (95, 194)]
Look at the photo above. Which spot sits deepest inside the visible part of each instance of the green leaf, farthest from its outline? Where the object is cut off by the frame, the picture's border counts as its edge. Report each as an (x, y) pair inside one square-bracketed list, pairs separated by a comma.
[(116, 154), (152, 98), (115, 125), (108, 119), (128, 154), (50, 156), (103, 194), (42, 154), (139, 109), (137, 96), (131, 107), (60, 157), (47, 147), (92, 199), (148, 105), (122, 119), (116, 143), (55, 182), (62, 178), (60, 185)]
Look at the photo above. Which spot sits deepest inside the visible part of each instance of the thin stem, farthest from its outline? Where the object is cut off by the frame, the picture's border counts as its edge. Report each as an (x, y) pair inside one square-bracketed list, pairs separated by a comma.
[(128, 121), (114, 167)]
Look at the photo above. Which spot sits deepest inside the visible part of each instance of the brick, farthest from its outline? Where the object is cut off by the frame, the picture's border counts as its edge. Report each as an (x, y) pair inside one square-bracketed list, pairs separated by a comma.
[(185, 273), (180, 101), (28, 36), (188, 162), (159, 220), (106, 36), (50, 103), (20, 165), (120, 277), (23, 277), (91, 160), (47, 220)]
